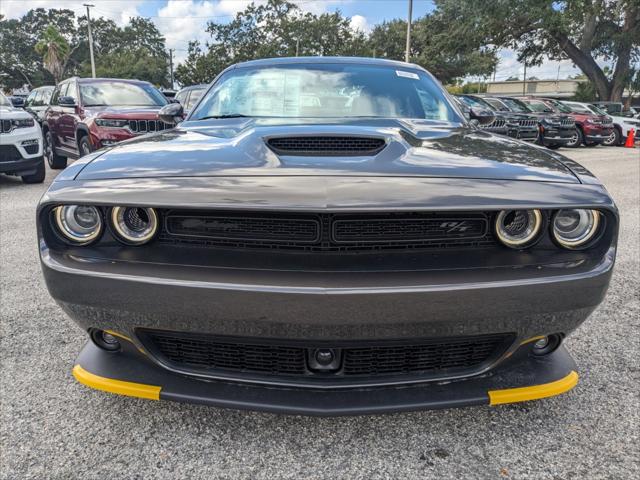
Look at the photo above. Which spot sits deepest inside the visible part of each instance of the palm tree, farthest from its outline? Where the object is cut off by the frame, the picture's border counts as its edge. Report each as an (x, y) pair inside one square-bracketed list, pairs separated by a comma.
[(55, 51)]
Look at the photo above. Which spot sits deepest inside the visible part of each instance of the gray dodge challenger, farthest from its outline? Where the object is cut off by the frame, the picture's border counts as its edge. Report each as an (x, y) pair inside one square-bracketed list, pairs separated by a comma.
[(327, 236)]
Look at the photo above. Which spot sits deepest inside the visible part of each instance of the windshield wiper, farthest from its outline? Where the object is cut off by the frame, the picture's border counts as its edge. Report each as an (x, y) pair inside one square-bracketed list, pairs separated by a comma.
[(228, 115)]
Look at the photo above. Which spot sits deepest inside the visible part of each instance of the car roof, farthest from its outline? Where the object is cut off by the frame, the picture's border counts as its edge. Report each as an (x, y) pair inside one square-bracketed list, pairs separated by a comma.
[(326, 60), (103, 79)]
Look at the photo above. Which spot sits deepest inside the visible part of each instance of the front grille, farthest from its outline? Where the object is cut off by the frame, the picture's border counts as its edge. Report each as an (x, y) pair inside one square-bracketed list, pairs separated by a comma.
[(9, 153), (6, 126), (326, 145), (327, 232), (567, 122), (497, 123), (146, 126), (208, 354), (528, 123)]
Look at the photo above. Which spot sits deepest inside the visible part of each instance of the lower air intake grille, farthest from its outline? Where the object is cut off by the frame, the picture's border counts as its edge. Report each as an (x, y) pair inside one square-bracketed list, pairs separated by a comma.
[(9, 153), (326, 146), (204, 354)]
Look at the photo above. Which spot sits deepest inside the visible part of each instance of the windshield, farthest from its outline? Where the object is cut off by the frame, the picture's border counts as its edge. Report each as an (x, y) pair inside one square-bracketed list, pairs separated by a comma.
[(325, 91), (598, 111), (4, 101), (516, 105), (120, 93), (560, 106), (538, 106), (476, 102), (497, 104)]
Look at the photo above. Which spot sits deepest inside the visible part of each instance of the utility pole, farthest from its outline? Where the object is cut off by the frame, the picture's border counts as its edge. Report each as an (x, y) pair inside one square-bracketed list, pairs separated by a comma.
[(524, 78), (297, 46), (93, 62), (406, 53), (171, 66)]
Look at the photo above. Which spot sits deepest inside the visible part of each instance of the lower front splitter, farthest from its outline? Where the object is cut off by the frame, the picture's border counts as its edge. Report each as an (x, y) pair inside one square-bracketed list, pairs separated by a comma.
[(129, 372)]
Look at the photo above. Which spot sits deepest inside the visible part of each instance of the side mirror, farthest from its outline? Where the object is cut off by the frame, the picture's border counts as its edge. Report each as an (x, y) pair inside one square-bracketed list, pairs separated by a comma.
[(65, 101), (17, 102), (173, 100), (172, 113), (482, 116)]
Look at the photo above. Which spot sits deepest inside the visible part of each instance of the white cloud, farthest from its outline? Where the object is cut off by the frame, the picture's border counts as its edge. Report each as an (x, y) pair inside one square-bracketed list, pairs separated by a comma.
[(118, 11), (358, 22)]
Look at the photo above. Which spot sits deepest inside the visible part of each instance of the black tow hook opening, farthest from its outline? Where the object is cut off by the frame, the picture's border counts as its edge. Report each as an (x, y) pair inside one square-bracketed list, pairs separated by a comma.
[(546, 345), (104, 340)]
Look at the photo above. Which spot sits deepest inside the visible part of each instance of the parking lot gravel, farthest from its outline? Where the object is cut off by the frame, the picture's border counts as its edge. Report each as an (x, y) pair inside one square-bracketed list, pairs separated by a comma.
[(53, 427)]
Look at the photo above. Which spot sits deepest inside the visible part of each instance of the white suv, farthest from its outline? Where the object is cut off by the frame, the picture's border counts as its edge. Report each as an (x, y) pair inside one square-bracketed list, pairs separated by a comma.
[(20, 144)]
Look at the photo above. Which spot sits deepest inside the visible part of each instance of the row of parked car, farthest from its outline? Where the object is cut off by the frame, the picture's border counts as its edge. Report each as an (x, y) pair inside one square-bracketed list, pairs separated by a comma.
[(81, 115), (551, 122)]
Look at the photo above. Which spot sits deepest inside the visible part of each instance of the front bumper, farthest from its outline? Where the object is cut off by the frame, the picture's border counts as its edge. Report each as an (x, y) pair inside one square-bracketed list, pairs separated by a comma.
[(29, 161), (128, 372), (552, 135)]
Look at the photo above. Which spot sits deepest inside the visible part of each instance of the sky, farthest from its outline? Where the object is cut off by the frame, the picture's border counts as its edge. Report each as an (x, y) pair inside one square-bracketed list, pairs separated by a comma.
[(183, 20)]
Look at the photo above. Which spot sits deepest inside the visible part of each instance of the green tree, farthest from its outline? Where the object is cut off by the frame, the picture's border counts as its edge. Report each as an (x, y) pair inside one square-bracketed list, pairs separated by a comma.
[(432, 48), (273, 29), (582, 30), (55, 51)]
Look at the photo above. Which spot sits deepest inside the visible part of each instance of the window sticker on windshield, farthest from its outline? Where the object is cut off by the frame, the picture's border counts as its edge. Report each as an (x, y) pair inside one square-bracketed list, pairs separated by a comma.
[(400, 73)]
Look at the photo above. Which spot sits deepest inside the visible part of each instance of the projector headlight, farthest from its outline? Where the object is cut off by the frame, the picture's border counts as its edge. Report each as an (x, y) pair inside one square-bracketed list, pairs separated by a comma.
[(23, 123), (518, 228), (575, 228), (78, 224), (134, 225)]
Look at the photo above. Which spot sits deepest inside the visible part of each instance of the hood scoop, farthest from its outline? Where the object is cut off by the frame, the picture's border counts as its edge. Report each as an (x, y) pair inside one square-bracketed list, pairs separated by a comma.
[(328, 146)]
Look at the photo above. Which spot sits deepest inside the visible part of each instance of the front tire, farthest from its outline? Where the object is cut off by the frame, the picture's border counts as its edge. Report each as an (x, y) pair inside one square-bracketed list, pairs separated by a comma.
[(84, 146), (55, 161), (614, 139), (555, 146), (37, 177), (576, 139)]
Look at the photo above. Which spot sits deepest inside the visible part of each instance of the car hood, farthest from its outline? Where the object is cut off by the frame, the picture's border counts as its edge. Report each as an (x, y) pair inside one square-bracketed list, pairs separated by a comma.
[(122, 112), (13, 113), (238, 147)]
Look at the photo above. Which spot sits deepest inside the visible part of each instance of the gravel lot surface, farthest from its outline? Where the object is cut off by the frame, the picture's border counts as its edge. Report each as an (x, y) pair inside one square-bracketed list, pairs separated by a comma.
[(53, 427)]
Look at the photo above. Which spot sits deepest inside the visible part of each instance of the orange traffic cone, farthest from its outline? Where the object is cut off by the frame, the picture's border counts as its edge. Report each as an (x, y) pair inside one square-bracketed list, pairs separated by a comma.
[(631, 138)]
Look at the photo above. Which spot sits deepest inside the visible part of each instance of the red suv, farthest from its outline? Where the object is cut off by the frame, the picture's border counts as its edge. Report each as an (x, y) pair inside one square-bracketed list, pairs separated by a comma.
[(90, 113), (591, 129)]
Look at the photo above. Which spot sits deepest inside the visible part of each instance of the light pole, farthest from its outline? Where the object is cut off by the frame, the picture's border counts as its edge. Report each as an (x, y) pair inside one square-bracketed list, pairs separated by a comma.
[(93, 63), (406, 53), (171, 65)]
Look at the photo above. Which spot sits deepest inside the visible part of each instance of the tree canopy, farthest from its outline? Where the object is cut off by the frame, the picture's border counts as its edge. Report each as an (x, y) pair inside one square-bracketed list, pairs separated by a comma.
[(136, 50), (583, 31)]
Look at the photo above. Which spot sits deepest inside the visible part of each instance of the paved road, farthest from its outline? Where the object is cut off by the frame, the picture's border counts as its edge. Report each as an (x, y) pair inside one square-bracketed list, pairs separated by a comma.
[(52, 427)]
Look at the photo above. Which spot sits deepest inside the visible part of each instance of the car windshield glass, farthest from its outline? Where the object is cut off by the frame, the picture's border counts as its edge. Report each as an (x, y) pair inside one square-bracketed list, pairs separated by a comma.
[(598, 111), (576, 108), (4, 101), (497, 104), (120, 93), (327, 90), (561, 106), (475, 102), (516, 105), (540, 107), (194, 97)]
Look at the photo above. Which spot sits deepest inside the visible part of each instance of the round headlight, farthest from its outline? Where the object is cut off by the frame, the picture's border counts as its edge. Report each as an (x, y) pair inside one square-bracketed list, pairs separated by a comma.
[(134, 225), (79, 224), (576, 227), (518, 228)]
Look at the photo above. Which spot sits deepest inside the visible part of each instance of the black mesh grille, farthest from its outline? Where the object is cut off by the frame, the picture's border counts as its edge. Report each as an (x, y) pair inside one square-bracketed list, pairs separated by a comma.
[(9, 153), (32, 149), (528, 123), (334, 146), (497, 123), (209, 354), (327, 232)]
